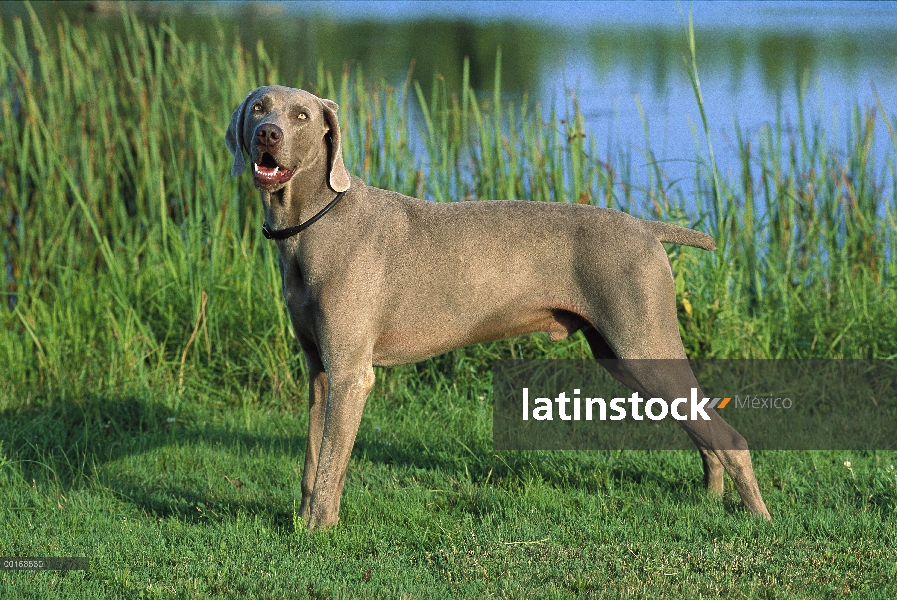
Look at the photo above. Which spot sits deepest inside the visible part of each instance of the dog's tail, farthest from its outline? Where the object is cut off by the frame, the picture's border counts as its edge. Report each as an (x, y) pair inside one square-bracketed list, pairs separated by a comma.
[(674, 234)]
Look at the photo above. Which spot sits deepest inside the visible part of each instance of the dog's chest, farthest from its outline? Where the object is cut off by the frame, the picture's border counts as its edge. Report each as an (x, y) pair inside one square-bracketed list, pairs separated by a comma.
[(297, 295)]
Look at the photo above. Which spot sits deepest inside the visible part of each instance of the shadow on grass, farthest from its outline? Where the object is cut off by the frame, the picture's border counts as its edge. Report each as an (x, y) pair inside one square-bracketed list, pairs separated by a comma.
[(195, 504), (66, 443), (586, 471), (75, 433)]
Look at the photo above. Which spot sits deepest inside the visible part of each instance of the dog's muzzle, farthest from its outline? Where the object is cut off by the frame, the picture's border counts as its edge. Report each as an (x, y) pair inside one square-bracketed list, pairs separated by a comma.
[(267, 172)]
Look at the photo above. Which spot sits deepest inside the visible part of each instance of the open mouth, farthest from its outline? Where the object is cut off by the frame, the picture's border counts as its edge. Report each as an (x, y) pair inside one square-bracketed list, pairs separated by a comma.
[(267, 172)]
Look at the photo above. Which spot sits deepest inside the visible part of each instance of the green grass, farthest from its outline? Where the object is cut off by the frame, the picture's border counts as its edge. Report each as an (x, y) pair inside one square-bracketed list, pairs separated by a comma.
[(152, 397), (206, 506)]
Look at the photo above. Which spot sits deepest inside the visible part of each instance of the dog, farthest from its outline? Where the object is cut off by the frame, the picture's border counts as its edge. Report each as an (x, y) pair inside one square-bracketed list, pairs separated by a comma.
[(375, 278)]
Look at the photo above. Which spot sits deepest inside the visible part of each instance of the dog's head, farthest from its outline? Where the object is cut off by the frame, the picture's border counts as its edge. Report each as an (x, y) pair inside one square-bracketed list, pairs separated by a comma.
[(284, 130)]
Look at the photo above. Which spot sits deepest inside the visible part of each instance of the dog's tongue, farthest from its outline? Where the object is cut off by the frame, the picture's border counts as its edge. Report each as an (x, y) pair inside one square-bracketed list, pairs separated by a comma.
[(265, 174)]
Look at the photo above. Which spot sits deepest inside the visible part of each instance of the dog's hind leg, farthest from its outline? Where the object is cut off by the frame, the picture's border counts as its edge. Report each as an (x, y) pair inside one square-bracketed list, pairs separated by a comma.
[(722, 445), (602, 352), (639, 325)]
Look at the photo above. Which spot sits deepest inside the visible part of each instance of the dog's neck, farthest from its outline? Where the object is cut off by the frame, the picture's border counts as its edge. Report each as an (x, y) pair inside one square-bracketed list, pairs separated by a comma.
[(295, 203)]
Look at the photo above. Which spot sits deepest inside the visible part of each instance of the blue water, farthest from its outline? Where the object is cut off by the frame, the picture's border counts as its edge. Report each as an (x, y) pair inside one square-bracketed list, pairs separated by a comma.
[(584, 14), (748, 88)]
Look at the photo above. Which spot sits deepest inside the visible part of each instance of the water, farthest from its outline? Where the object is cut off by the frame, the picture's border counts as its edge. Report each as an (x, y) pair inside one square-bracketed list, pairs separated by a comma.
[(753, 59), (582, 14)]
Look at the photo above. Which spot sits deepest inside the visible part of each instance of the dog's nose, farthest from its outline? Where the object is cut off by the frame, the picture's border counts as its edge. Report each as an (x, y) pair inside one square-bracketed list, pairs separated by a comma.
[(269, 135)]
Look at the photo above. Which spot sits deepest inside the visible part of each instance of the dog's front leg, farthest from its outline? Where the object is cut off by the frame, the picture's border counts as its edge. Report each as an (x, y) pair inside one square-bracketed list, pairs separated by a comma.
[(347, 392), (317, 403)]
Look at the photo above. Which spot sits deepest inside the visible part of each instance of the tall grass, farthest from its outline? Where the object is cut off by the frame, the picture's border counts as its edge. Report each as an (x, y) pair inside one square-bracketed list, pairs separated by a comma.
[(131, 258)]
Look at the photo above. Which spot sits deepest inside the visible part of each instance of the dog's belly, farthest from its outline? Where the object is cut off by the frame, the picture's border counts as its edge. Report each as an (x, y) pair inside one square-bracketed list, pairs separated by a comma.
[(415, 342)]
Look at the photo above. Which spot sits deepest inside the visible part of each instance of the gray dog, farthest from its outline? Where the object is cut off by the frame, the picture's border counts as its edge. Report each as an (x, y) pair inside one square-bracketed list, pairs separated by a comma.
[(384, 279)]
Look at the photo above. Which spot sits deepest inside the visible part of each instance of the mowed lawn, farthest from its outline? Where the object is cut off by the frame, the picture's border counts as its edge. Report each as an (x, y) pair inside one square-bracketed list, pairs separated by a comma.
[(204, 504)]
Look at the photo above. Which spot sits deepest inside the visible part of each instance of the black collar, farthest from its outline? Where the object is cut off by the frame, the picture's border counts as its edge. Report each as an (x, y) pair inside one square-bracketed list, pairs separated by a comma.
[(282, 234)]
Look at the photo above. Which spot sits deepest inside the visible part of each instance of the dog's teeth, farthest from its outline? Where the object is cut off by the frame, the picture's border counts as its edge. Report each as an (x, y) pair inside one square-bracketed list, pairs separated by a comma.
[(276, 169), (256, 167)]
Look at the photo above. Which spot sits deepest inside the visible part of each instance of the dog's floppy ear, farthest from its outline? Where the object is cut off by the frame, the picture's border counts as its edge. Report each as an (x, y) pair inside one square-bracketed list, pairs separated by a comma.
[(234, 137), (339, 176)]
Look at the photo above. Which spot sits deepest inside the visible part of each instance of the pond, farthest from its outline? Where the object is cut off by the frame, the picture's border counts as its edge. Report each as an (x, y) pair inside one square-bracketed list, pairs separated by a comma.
[(625, 63), (759, 63)]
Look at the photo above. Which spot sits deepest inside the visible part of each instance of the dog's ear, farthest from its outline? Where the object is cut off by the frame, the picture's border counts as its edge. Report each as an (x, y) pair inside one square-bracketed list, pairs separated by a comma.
[(234, 137), (339, 176)]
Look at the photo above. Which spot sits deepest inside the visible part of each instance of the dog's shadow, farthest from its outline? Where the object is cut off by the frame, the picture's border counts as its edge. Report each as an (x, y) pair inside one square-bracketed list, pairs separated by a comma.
[(121, 443), (468, 464), (65, 444)]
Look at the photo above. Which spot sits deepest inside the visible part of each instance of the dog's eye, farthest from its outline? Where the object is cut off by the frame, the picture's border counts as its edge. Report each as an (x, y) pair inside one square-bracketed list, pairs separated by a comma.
[(257, 107), (302, 116)]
